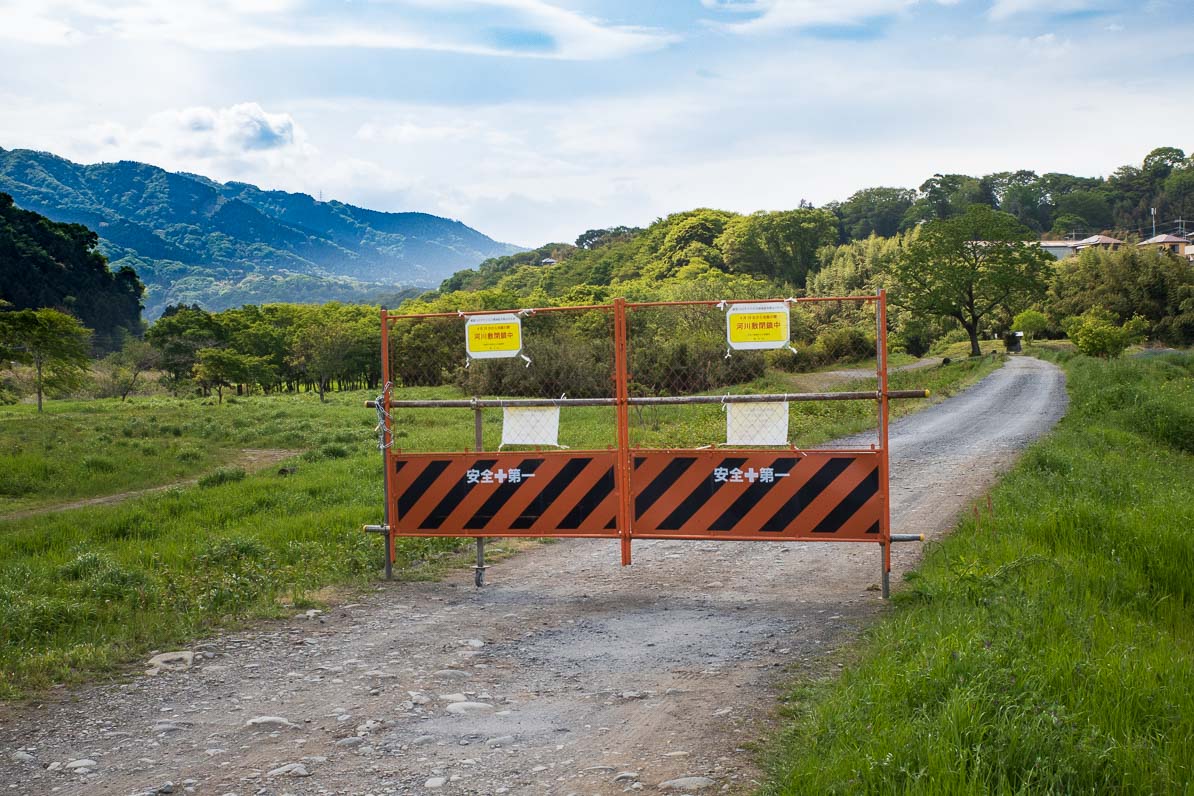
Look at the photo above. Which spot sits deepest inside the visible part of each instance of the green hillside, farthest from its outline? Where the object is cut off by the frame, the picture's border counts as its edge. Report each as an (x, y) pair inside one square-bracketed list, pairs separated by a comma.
[(192, 239), (47, 264)]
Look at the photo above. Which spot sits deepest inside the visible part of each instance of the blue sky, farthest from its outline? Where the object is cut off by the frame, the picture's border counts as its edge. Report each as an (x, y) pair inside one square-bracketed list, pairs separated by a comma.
[(534, 120)]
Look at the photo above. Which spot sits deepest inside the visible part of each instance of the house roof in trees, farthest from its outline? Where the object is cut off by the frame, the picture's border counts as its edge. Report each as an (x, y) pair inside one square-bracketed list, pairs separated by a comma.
[(1162, 239), (1099, 240)]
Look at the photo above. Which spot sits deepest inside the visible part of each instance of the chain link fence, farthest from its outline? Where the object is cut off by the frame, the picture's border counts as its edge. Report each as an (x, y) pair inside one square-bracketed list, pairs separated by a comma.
[(566, 357), (681, 351)]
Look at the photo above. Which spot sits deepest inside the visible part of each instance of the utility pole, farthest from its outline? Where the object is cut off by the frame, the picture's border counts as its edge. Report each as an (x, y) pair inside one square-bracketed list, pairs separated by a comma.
[(1153, 210)]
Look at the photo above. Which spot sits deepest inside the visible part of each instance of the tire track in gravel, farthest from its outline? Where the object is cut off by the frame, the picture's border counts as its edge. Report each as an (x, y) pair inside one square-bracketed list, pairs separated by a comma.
[(597, 679)]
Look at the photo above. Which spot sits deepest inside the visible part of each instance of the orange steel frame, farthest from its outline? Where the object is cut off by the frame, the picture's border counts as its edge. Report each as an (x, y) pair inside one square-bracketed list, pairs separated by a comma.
[(624, 453)]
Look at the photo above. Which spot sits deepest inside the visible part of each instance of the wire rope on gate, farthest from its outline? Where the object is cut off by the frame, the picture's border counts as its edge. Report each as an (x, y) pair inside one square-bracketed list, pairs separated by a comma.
[(633, 474)]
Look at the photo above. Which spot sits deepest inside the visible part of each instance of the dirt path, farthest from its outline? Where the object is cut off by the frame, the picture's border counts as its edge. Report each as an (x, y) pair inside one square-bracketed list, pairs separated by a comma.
[(249, 458), (568, 674)]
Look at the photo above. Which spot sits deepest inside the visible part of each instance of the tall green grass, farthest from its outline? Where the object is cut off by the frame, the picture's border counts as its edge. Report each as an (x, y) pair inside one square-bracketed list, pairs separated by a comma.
[(78, 449), (83, 591), (1047, 647)]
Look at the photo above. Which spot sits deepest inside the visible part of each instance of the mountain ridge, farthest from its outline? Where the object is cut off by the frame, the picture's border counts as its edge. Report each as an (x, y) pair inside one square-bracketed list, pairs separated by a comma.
[(193, 239)]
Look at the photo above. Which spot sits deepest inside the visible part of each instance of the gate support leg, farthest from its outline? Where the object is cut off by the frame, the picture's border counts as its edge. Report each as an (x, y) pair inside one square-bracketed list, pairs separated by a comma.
[(885, 573), (389, 555), (479, 570)]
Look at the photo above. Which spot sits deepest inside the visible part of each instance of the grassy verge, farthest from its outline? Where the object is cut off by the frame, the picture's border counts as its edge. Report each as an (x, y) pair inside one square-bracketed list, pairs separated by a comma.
[(80, 449), (83, 591), (1048, 647)]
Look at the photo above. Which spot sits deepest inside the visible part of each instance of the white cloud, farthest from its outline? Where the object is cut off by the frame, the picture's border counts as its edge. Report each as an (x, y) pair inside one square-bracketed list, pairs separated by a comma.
[(223, 143), (232, 25), (1002, 9), (776, 15)]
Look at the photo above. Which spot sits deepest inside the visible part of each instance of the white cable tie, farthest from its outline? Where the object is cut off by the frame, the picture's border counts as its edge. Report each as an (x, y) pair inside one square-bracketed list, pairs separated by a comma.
[(528, 359), (792, 348), (721, 305), (791, 300), (526, 313), (460, 313), (727, 356), (468, 361)]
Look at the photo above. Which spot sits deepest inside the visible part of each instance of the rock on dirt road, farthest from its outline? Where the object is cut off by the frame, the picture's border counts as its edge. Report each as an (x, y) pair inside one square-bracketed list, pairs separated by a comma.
[(568, 674)]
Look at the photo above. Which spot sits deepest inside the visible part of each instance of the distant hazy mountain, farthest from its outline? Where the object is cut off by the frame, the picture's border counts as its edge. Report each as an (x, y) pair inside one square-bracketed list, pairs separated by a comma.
[(192, 239)]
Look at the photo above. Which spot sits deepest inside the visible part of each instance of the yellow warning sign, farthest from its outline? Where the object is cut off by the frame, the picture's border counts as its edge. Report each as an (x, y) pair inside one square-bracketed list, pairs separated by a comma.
[(493, 336), (759, 325)]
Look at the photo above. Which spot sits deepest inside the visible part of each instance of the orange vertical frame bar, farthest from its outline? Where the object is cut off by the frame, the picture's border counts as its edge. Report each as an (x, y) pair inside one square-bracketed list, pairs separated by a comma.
[(884, 468), (622, 399), (387, 433)]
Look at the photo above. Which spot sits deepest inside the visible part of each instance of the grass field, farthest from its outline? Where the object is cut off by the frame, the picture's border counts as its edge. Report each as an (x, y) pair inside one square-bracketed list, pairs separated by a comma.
[(79, 449), (83, 591), (1047, 647)]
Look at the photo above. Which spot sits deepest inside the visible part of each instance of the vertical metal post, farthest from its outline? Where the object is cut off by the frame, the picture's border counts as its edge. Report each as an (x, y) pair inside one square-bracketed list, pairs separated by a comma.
[(884, 469), (479, 445), (622, 400), (386, 440)]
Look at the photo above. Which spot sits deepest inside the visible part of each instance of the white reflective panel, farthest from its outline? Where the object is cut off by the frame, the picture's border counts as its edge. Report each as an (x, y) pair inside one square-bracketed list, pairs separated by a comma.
[(531, 425), (757, 424)]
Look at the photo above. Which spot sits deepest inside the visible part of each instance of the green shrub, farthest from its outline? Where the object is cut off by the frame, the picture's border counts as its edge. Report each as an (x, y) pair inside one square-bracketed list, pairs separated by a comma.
[(1096, 334), (98, 464), (225, 475), (842, 344)]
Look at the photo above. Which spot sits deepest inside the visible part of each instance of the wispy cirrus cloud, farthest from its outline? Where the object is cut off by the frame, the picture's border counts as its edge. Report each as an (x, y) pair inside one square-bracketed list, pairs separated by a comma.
[(776, 15), (1005, 9), (522, 28)]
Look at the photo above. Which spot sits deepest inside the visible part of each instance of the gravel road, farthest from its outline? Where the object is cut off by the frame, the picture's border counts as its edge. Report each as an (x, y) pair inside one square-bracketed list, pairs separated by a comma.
[(568, 674)]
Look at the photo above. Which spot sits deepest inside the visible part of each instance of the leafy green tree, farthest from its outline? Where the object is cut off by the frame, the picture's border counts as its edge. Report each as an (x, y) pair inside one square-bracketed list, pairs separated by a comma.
[(780, 246), (180, 334), (318, 352), (1161, 161), (55, 344), (1066, 224), (1154, 284), (1090, 206), (1179, 191), (874, 211), (219, 368), (1096, 333), (48, 264), (1031, 322), (594, 238), (968, 267), (947, 195), (125, 367)]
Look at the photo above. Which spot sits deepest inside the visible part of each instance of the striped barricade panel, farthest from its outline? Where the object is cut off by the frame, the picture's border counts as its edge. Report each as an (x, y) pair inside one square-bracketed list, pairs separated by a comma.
[(505, 494), (757, 495)]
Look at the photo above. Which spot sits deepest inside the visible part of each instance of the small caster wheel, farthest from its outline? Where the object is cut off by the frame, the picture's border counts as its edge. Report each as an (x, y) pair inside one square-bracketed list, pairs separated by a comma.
[(479, 577)]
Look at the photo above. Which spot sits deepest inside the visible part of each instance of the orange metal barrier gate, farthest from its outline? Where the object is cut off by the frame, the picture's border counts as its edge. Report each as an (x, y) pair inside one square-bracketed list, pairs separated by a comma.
[(629, 492)]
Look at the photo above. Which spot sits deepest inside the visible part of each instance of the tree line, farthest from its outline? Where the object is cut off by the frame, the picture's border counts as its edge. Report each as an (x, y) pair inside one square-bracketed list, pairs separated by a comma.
[(1053, 204), (966, 268)]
